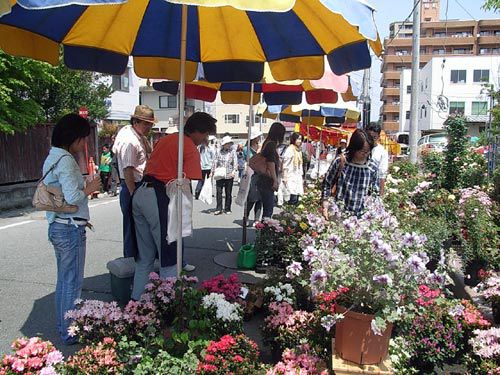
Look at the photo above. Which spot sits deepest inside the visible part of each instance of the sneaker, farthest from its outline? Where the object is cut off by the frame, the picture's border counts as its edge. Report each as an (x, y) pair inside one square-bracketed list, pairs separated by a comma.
[(218, 213), (228, 212), (189, 268)]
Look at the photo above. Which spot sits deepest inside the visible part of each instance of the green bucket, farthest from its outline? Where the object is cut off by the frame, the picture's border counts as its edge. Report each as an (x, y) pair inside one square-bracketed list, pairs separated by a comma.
[(247, 257)]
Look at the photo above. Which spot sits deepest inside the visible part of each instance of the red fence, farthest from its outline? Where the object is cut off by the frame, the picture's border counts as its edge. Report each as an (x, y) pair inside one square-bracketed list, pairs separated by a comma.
[(22, 154)]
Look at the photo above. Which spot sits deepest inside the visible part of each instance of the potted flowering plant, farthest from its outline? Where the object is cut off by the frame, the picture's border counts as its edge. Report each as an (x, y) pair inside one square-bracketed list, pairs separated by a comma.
[(100, 358), (236, 355), (31, 356), (486, 352), (300, 360), (490, 290), (380, 266)]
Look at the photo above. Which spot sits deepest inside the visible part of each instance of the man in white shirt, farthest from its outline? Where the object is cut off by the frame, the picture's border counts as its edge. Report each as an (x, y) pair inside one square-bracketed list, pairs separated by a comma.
[(132, 150), (379, 155)]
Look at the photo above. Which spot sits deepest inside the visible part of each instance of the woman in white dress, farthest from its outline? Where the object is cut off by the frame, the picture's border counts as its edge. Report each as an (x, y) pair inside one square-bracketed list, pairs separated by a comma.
[(292, 169)]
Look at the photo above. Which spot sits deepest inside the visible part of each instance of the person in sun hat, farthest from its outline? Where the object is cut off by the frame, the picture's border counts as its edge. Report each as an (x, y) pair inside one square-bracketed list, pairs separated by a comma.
[(224, 170), (342, 147), (132, 150)]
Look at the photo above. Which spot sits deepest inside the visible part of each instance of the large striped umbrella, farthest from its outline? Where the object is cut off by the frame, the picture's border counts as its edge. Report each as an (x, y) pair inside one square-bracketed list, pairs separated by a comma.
[(227, 43)]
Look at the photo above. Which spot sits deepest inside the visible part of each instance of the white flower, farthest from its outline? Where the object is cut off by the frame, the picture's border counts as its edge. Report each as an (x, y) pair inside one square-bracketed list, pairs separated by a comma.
[(224, 310), (73, 331)]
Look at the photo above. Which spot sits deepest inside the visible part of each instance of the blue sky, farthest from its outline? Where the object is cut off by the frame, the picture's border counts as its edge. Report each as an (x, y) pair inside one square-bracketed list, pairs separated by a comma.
[(389, 11)]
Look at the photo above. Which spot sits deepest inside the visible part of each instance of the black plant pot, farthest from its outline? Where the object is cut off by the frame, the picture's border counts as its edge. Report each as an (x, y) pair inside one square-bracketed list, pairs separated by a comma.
[(471, 272), (495, 307)]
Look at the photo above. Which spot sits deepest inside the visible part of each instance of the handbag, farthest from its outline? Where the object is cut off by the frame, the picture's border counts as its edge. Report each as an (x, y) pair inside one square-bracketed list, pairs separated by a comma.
[(51, 198), (219, 173), (337, 175), (259, 164)]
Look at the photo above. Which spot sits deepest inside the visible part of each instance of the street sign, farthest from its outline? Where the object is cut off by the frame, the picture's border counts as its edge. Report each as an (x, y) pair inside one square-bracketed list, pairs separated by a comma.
[(83, 112)]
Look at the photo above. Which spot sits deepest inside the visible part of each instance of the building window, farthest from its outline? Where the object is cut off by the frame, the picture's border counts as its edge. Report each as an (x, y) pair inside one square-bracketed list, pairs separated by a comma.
[(256, 121), (439, 51), (407, 115), (408, 89), (396, 117), (440, 34), (231, 119), (121, 83), (481, 76), (479, 108), (458, 76), (484, 51), (168, 101), (457, 108), (461, 51)]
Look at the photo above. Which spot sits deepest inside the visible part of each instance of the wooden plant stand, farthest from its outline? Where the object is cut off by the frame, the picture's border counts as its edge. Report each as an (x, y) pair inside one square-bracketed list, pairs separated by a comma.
[(342, 367)]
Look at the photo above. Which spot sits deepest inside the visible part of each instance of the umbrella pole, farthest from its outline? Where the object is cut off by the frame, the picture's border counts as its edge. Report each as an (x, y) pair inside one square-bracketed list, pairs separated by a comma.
[(250, 124), (319, 155), (180, 164)]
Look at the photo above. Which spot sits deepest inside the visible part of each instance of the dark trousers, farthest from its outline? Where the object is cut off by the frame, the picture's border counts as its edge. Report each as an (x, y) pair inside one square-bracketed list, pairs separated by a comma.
[(267, 197), (105, 181), (115, 180), (294, 199), (227, 184), (129, 245), (257, 210), (306, 166), (204, 174)]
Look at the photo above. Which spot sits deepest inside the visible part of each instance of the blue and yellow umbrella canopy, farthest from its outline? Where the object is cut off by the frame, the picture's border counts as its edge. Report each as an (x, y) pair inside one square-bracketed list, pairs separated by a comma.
[(228, 44)]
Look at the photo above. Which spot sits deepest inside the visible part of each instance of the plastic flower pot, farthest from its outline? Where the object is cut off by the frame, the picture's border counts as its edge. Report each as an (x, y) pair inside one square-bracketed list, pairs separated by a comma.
[(247, 257), (356, 342)]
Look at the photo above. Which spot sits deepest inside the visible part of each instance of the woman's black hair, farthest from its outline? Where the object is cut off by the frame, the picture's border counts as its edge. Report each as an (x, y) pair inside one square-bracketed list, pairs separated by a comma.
[(357, 142), (294, 137), (200, 122), (276, 133), (69, 129), (376, 128)]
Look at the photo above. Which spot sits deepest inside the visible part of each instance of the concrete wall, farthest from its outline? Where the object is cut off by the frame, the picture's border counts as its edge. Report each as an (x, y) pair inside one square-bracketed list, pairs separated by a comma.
[(17, 195)]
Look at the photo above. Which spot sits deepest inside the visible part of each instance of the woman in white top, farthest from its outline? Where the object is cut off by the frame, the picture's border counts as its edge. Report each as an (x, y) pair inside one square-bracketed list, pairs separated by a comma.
[(292, 169)]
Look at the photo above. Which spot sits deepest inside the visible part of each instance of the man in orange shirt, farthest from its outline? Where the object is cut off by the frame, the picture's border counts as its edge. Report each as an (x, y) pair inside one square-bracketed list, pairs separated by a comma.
[(150, 202)]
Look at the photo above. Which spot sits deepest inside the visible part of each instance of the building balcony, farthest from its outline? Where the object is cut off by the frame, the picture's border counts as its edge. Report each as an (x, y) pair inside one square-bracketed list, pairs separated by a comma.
[(489, 39), (389, 91), (390, 108), (400, 59), (390, 126), (447, 41), (391, 74), (397, 42)]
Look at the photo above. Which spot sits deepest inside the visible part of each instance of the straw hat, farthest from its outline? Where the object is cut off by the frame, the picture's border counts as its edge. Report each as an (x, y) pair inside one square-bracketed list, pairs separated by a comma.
[(225, 140), (144, 113)]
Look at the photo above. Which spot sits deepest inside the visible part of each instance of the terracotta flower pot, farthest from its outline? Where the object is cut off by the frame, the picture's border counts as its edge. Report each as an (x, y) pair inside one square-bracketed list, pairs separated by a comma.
[(355, 341)]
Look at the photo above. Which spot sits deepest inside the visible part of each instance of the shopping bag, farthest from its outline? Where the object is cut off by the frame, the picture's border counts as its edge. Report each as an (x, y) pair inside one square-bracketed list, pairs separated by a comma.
[(187, 209), (206, 191), (241, 198)]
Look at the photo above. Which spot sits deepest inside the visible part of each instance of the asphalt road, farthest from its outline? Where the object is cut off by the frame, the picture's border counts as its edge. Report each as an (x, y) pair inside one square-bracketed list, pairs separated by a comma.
[(27, 262)]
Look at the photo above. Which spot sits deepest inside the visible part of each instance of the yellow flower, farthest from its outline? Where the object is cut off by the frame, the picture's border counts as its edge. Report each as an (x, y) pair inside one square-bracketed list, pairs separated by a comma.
[(451, 197), (303, 225), (300, 206)]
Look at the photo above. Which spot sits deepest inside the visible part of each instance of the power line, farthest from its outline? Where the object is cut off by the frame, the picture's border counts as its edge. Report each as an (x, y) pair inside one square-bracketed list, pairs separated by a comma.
[(466, 11)]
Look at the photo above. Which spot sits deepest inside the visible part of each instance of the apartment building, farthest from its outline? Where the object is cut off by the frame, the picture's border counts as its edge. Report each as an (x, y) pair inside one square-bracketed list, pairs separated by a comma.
[(439, 38), (451, 85)]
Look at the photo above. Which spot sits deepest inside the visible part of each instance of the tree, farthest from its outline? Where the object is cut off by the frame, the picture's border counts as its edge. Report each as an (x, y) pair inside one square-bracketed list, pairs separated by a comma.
[(493, 5), (33, 92), (19, 107)]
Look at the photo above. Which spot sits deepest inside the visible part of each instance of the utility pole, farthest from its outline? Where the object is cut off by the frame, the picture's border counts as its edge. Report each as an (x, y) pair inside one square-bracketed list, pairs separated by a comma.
[(415, 67), (366, 98)]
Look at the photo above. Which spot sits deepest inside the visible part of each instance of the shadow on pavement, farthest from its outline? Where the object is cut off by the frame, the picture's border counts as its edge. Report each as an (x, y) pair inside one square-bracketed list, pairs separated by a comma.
[(41, 320)]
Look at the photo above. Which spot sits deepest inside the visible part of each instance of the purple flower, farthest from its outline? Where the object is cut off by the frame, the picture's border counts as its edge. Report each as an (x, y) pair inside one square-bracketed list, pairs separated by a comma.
[(335, 240), (416, 264), (383, 279), (293, 270), (309, 254), (318, 276)]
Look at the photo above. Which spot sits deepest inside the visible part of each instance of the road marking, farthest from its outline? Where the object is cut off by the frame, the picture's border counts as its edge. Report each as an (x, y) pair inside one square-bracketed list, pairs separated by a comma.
[(103, 203), (17, 224)]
